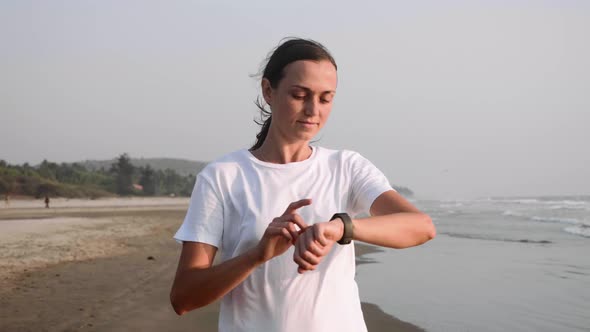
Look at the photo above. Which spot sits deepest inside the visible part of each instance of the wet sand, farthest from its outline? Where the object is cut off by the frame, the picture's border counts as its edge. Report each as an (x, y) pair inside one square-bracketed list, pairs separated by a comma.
[(105, 266)]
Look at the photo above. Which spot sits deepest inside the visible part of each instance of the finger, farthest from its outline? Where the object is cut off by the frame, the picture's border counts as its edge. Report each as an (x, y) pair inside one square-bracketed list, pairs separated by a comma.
[(301, 270), (309, 238), (301, 244), (287, 235), (274, 231), (315, 249), (319, 236), (297, 252), (303, 252), (310, 258), (303, 264), (283, 222), (308, 243), (298, 221), (287, 228), (280, 222), (292, 218), (296, 205), (293, 232)]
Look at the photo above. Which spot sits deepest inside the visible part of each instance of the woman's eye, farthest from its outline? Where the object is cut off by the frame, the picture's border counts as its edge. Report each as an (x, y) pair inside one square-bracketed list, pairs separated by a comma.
[(325, 101), (298, 97)]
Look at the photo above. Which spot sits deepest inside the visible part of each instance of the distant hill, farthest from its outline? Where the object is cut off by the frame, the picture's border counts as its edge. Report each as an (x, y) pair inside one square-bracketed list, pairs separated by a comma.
[(181, 166)]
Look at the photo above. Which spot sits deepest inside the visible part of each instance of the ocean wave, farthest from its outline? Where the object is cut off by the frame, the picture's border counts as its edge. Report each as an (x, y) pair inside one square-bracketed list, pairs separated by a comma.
[(436, 214), (487, 238), (568, 207), (568, 202), (451, 205), (571, 221), (518, 201), (513, 214), (564, 202), (579, 230)]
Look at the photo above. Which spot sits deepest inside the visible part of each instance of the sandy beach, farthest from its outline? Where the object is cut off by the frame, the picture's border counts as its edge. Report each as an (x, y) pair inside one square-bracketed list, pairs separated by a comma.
[(105, 265)]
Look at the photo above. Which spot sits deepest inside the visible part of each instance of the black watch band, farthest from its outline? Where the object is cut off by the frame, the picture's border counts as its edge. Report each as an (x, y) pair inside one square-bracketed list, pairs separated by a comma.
[(347, 234)]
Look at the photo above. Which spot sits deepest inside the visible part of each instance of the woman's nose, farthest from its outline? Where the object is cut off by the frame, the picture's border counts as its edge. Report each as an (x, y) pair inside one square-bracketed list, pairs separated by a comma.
[(312, 107)]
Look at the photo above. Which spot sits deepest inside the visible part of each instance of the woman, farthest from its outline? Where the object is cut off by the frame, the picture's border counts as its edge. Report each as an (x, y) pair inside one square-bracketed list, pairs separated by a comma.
[(281, 212)]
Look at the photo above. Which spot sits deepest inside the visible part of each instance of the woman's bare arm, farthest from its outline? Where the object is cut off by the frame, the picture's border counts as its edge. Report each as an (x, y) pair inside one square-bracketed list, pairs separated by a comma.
[(198, 283), (394, 223)]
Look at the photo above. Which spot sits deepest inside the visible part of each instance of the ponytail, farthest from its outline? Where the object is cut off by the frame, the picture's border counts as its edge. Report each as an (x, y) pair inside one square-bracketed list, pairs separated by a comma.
[(265, 119)]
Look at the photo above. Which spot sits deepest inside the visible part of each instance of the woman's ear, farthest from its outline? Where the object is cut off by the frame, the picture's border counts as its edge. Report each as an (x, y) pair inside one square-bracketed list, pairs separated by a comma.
[(266, 91)]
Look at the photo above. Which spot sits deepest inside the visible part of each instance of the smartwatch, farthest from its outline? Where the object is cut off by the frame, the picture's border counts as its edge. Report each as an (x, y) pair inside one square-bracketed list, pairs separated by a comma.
[(347, 234)]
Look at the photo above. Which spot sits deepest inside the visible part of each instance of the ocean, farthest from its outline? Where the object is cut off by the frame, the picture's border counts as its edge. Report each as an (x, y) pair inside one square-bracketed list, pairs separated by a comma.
[(497, 264)]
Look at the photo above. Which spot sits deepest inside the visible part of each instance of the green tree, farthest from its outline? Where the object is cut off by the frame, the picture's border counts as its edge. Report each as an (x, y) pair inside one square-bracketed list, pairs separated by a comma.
[(148, 180), (172, 182), (123, 171), (48, 170), (4, 186), (46, 189), (189, 183)]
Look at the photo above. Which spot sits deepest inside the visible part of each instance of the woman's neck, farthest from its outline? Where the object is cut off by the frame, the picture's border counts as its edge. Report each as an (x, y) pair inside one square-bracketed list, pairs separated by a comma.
[(283, 153)]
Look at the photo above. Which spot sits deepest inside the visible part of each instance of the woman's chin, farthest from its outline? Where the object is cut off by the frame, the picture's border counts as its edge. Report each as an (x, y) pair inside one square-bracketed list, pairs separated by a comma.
[(306, 136)]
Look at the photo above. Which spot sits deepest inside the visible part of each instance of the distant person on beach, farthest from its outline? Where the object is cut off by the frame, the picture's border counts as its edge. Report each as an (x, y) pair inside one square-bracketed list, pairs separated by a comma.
[(46, 202), (283, 213)]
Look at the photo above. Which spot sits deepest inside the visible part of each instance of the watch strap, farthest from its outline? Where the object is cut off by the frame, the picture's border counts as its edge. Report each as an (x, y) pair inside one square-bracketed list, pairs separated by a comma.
[(348, 227)]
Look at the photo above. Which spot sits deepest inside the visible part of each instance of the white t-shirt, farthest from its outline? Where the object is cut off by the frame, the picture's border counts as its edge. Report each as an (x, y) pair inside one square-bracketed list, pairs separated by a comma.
[(234, 200)]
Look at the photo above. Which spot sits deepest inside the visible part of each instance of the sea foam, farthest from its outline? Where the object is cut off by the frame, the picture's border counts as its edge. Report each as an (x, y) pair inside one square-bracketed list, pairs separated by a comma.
[(571, 221), (578, 230)]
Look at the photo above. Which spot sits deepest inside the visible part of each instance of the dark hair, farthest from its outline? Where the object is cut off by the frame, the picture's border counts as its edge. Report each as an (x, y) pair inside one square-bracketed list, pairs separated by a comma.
[(288, 51)]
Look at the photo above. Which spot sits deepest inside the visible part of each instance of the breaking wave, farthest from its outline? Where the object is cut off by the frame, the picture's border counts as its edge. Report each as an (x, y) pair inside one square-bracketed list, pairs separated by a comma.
[(480, 237), (582, 230)]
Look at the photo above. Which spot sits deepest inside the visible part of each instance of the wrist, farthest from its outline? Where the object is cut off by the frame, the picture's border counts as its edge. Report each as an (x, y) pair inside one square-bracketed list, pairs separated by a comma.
[(348, 227), (256, 256), (338, 228)]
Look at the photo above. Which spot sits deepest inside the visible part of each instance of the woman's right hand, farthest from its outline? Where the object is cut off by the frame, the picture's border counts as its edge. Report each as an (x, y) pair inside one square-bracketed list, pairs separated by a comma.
[(281, 233)]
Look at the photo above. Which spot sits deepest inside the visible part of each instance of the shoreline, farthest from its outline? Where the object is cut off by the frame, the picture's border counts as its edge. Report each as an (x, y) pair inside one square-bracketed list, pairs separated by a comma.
[(100, 269)]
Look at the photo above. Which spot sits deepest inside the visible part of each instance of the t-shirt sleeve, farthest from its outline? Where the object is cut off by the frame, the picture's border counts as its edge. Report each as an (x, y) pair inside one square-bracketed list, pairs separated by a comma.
[(366, 184), (204, 219)]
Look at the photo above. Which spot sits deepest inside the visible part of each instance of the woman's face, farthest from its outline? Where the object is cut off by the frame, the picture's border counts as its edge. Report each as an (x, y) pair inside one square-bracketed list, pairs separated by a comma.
[(302, 101)]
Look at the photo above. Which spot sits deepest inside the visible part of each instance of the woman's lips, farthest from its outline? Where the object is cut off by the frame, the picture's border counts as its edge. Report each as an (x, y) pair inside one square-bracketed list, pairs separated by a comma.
[(307, 124)]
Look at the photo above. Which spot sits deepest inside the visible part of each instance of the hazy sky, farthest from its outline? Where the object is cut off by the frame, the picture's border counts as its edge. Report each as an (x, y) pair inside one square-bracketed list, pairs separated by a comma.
[(454, 99)]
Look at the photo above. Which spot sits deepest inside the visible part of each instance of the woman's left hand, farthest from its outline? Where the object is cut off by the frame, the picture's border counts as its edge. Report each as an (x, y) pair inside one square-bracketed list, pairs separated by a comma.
[(315, 242)]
